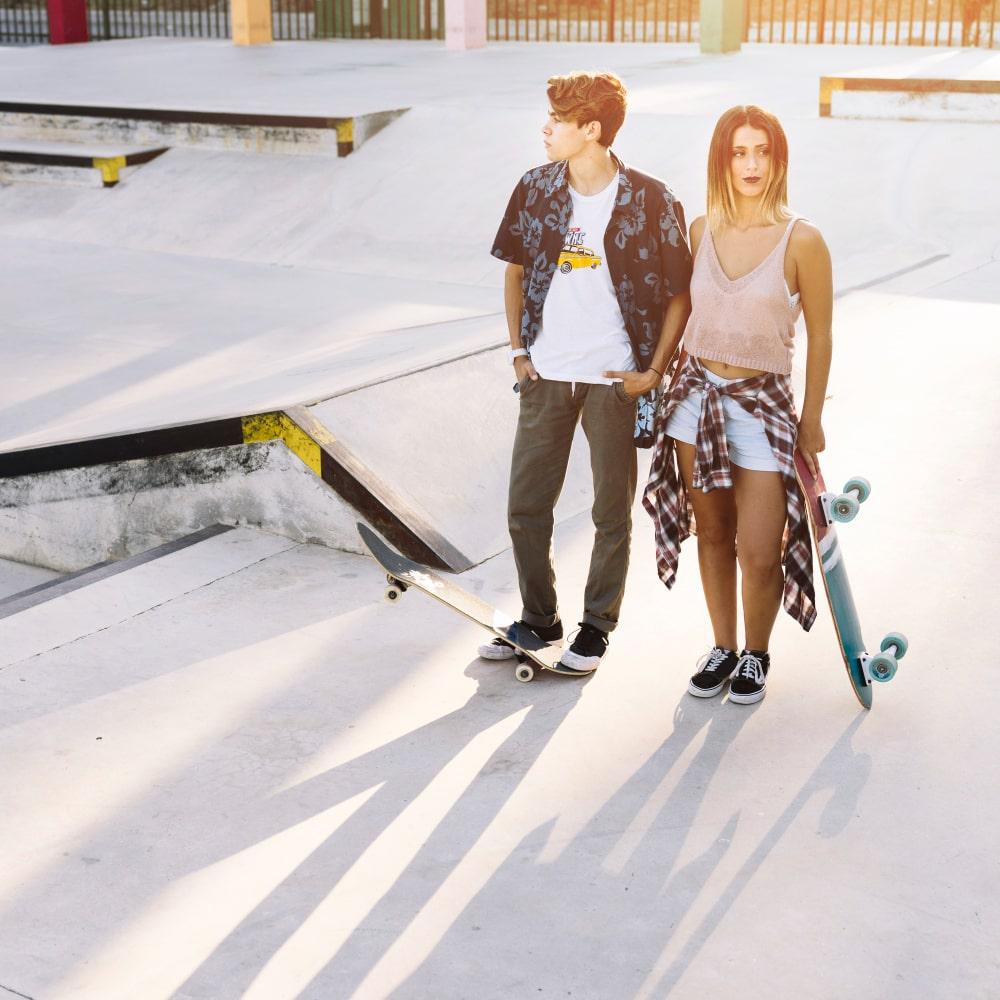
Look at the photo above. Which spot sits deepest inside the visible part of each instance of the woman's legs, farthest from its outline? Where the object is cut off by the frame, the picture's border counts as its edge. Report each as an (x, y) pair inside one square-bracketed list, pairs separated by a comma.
[(760, 525), (715, 513)]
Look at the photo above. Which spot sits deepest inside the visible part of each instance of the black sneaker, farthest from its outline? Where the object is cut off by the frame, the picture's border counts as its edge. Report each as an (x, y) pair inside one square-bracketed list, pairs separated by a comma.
[(500, 649), (714, 669), (585, 653), (750, 677)]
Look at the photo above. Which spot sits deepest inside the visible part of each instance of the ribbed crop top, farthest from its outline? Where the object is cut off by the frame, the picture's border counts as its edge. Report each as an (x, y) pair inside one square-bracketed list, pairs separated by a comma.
[(749, 321)]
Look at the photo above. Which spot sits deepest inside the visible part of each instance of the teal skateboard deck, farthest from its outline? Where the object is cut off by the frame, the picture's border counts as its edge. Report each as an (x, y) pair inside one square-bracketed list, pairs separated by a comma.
[(826, 509), (402, 573)]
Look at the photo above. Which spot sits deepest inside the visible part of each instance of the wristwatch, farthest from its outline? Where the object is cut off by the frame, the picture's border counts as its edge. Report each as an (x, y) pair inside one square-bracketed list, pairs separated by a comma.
[(517, 352)]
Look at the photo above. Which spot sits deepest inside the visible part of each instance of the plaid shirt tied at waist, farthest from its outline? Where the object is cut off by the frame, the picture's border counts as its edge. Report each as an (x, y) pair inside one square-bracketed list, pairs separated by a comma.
[(768, 397)]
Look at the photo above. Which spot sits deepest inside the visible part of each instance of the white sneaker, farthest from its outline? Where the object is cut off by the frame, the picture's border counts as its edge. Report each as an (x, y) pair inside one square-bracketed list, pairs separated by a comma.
[(498, 649)]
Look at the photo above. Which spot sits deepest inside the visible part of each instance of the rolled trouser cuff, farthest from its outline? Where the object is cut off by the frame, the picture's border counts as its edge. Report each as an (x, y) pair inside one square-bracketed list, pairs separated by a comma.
[(539, 621), (604, 624)]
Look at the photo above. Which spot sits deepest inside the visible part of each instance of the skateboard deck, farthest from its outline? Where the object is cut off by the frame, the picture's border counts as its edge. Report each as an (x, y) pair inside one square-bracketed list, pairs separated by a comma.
[(825, 510), (402, 573)]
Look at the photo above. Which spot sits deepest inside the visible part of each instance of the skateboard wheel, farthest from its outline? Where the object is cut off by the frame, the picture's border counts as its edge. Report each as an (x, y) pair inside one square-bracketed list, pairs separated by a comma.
[(896, 643), (566, 268), (393, 594), (882, 667), (859, 485), (524, 673), (844, 508)]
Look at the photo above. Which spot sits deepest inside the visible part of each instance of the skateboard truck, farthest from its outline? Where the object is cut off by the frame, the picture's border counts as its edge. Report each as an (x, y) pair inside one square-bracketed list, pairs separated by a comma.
[(882, 666), (843, 507), (396, 588)]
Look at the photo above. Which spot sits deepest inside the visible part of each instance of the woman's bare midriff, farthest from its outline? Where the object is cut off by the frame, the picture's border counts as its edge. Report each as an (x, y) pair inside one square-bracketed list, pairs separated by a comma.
[(723, 370)]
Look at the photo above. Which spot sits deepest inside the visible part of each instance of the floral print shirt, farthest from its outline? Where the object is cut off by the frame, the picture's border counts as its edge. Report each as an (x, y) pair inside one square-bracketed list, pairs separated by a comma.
[(645, 248)]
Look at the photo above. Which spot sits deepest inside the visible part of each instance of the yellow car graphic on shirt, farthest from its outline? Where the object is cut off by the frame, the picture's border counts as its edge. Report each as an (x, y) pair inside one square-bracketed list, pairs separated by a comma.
[(571, 259)]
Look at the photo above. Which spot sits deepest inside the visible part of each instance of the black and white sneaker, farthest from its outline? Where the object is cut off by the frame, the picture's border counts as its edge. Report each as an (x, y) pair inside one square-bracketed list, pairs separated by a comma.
[(714, 669), (585, 653), (500, 649), (750, 677)]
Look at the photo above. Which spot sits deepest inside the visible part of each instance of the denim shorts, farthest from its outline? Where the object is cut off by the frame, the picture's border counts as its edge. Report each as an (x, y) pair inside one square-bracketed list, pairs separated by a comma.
[(748, 445)]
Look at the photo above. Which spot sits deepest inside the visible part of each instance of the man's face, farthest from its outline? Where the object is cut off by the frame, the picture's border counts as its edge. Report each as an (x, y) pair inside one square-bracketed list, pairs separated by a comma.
[(564, 139)]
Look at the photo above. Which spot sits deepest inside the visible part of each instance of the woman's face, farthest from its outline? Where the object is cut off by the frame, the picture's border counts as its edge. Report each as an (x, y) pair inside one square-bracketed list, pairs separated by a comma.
[(750, 166)]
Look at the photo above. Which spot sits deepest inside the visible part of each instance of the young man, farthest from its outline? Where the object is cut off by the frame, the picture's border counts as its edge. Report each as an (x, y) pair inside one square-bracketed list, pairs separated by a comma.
[(596, 294)]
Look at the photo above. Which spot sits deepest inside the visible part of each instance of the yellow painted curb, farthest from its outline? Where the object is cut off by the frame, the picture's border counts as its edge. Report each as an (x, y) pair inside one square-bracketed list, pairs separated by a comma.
[(827, 85), (109, 167), (278, 427), (345, 131)]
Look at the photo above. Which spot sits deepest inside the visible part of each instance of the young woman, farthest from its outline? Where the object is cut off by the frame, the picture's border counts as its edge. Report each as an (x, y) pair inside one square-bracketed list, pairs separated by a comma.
[(727, 426)]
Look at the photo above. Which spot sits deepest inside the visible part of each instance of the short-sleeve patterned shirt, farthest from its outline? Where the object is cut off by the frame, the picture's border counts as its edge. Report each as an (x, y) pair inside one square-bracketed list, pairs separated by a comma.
[(645, 248)]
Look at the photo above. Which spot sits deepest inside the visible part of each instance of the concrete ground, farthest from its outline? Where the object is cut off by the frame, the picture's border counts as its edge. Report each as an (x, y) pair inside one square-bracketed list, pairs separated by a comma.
[(15, 577), (239, 773)]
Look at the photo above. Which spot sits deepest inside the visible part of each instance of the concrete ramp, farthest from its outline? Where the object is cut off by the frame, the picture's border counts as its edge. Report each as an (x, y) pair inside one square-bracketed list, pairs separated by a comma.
[(443, 438), (90, 605), (424, 458)]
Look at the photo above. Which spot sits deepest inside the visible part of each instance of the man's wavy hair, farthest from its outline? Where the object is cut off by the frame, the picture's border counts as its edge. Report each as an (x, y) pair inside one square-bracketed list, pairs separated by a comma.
[(582, 98)]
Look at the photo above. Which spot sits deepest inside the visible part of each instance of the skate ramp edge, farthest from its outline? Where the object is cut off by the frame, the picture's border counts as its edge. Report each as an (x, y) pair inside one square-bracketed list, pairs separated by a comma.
[(102, 597), (68, 506), (909, 99), (230, 130), (424, 458)]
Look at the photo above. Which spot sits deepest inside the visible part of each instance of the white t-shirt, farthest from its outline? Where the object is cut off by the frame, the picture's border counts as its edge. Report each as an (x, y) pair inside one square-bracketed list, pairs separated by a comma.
[(583, 334)]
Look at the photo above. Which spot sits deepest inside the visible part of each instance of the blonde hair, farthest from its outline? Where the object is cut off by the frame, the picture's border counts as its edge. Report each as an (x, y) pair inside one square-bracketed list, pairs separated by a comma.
[(582, 98), (721, 197)]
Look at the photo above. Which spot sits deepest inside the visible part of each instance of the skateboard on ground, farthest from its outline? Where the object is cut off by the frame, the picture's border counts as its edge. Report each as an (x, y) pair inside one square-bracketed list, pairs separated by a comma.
[(826, 509), (402, 573)]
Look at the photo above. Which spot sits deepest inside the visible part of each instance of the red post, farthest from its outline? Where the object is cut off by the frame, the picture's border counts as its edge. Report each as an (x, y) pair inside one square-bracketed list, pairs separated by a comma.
[(68, 21)]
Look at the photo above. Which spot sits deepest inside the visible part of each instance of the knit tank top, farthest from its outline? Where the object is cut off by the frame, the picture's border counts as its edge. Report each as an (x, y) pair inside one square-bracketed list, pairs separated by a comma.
[(749, 322)]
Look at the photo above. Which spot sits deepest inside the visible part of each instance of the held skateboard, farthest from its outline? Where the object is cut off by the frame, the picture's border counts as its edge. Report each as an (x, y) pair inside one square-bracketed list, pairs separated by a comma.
[(402, 573), (826, 509)]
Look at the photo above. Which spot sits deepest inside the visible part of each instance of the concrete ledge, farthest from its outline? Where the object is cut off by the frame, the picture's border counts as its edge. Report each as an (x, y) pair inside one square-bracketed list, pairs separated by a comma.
[(129, 464), (108, 162), (250, 131), (909, 98), (101, 571)]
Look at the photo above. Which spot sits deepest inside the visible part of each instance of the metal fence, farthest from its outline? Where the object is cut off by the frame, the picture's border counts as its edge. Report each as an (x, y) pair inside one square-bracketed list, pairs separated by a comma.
[(23, 22), (109, 19), (855, 22), (416, 19), (875, 22), (592, 20), (26, 21)]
